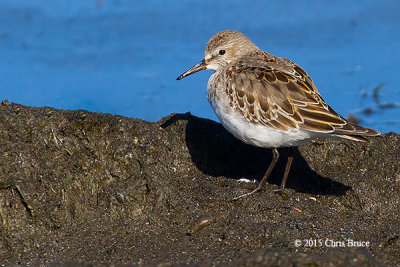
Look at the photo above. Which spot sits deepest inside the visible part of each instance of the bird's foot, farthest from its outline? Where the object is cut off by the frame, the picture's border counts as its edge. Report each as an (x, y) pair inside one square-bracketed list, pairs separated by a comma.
[(280, 190), (248, 194)]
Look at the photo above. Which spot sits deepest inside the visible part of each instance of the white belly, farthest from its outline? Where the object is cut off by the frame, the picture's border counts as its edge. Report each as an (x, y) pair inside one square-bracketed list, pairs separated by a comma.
[(252, 133)]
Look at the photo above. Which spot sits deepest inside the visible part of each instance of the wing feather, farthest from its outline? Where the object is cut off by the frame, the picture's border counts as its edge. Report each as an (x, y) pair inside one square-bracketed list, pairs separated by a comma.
[(281, 95)]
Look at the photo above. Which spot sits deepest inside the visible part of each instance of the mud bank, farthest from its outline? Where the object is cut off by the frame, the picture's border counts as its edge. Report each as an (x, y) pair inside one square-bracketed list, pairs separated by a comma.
[(81, 187)]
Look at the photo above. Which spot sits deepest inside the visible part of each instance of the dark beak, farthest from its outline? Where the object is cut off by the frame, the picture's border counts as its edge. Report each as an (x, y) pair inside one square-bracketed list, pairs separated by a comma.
[(198, 67)]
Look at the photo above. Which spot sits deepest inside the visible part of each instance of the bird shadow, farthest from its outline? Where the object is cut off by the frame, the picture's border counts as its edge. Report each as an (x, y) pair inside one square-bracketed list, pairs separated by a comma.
[(216, 152)]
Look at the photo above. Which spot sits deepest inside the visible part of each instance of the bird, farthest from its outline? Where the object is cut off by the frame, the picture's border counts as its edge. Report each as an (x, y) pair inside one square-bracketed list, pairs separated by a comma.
[(268, 101)]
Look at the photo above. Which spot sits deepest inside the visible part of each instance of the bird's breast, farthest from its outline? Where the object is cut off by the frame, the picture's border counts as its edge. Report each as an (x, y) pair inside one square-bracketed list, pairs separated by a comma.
[(248, 132)]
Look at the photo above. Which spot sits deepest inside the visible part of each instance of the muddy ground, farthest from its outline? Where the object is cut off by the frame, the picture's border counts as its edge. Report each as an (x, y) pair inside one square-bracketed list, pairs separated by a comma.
[(81, 187)]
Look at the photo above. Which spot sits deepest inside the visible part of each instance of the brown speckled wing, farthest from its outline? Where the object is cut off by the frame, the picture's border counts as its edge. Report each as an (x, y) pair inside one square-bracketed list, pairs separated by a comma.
[(277, 93)]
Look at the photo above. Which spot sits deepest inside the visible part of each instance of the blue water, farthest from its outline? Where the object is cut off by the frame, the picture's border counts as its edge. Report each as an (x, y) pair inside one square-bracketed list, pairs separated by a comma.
[(123, 56)]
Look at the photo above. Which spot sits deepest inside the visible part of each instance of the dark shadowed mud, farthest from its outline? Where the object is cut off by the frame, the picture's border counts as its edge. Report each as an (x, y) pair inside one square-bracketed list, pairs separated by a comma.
[(81, 187)]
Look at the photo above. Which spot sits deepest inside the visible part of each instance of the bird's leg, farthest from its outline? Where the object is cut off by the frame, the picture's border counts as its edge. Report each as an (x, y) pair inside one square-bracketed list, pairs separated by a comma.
[(275, 157), (287, 169)]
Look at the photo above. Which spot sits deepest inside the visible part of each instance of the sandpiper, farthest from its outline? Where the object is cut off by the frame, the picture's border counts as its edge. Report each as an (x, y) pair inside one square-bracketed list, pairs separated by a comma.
[(267, 101)]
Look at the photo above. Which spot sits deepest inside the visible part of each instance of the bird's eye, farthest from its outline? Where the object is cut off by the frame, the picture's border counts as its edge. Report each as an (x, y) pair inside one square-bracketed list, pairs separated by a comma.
[(222, 52)]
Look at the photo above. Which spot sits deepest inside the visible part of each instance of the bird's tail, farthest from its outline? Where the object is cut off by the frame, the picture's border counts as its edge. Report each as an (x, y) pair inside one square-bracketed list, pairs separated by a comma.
[(355, 132)]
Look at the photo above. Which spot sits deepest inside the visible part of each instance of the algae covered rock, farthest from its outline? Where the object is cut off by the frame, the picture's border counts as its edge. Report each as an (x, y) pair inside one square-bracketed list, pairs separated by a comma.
[(93, 188)]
